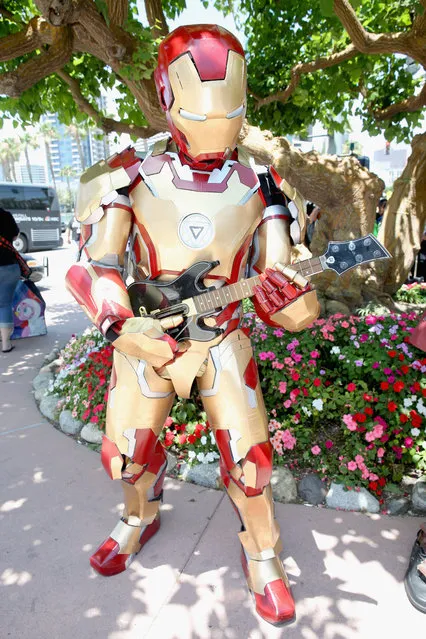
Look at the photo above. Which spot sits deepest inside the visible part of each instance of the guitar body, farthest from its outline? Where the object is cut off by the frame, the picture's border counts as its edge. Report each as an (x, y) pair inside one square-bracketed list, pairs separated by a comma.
[(152, 295)]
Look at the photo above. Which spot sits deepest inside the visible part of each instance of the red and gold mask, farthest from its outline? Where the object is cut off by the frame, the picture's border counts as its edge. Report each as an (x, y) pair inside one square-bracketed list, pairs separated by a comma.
[(201, 82)]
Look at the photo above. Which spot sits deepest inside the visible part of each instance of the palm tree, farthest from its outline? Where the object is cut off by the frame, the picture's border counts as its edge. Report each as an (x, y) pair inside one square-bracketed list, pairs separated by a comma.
[(48, 133), (11, 151), (5, 162), (78, 132), (68, 172), (29, 141)]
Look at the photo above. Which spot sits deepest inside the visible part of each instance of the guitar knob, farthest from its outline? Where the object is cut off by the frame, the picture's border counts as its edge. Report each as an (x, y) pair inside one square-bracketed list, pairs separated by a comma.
[(330, 260), (344, 265), (351, 246), (377, 254), (367, 241), (358, 258), (335, 248)]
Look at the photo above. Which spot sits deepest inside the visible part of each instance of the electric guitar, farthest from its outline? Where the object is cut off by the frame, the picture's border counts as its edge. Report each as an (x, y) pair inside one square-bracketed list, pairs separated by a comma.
[(187, 295)]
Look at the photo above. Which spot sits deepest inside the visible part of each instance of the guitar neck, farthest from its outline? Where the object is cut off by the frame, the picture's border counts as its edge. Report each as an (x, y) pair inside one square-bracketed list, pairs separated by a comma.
[(223, 296)]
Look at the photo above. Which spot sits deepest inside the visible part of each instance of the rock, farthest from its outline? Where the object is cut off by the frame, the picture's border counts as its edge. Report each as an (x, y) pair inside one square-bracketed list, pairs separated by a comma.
[(333, 306), (207, 475), (311, 489), (91, 433), (42, 380), (40, 393), (48, 406), (52, 355), (171, 462), (68, 424), (397, 505), (418, 497), (360, 500), (52, 367), (283, 484)]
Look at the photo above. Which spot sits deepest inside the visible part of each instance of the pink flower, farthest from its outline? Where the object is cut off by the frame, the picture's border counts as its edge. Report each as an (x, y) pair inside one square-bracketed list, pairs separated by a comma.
[(263, 356), (344, 325), (277, 365), (329, 443), (373, 477), (370, 437), (351, 387), (314, 354), (380, 452), (408, 442), (352, 465), (278, 332), (349, 422), (288, 440), (168, 422), (315, 450), (287, 403), (297, 358), (282, 387), (359, 459)]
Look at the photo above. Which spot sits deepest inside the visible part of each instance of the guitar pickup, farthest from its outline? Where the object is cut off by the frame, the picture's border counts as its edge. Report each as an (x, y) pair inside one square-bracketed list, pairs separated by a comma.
[(177, 309)]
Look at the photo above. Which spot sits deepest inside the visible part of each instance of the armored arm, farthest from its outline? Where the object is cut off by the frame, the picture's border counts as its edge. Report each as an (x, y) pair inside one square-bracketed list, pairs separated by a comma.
[(104, 211), (285, 298)]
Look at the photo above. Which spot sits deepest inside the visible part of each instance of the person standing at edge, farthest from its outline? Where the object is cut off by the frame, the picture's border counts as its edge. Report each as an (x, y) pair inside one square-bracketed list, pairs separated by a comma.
[(12, 266), (196, 198)]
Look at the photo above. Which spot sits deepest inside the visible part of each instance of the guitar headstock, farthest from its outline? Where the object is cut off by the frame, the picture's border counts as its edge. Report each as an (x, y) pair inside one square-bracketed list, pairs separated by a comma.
[(342, 256)]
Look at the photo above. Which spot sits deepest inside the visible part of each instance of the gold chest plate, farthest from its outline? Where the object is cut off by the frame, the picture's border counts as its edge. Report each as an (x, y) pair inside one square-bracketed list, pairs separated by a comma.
[(183, 217)]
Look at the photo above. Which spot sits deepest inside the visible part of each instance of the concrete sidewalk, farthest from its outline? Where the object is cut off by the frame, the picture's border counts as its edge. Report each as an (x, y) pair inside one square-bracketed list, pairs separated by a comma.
[(57, 505)]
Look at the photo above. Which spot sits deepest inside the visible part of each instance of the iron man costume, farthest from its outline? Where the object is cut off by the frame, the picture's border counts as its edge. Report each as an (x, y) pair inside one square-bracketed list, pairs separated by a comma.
[(194, 197)]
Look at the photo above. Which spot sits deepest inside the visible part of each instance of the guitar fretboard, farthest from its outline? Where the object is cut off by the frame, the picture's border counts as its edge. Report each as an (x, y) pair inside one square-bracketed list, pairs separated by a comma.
[(245, 288)]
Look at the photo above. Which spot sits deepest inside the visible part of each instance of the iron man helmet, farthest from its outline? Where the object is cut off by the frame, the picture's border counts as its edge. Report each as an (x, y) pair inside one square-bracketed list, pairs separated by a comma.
[(201, 83)]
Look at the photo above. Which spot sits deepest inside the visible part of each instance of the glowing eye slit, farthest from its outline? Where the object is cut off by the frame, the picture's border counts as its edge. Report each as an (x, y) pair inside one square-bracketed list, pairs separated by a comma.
[(192, 116), (235, 113)]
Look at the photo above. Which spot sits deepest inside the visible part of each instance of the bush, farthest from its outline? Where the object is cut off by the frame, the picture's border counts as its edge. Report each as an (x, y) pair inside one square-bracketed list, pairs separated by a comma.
[(414, 293), (345, 397)]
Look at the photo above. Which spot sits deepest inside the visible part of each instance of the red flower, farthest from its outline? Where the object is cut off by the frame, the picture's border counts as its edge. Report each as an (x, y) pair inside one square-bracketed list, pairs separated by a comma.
[(192, 439), (392, 407), (94, 419), (382, 482), (416, 386), (424, 392), (360, 417), (295, 377), (317, 382), (403, 418), (398, 386), (392, 353), (351, 387), (168, 439), (384, 386), (404, 369), (368, 398), (86, 414), (401, 357), (368, 410), (373, 485), (182, 439)]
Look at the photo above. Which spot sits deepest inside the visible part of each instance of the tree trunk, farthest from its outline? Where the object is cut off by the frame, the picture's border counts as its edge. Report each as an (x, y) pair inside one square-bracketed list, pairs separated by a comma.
[(49, 162), (403, 223), (347, 195), (27, 160)]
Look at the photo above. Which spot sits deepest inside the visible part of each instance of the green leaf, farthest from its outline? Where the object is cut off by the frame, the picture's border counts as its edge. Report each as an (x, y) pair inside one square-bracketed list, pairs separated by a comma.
[(326, 7)]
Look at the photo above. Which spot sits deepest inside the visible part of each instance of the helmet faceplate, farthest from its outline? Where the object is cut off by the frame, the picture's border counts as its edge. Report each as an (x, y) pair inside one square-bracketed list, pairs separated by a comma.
[(201, 84)]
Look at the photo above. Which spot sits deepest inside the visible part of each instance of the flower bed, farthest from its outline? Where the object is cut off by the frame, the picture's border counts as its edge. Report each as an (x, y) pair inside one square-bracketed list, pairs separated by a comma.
[(345, 398), (414, 293)]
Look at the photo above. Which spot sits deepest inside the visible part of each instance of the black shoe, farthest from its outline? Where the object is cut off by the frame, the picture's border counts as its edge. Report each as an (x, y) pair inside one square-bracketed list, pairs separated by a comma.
[(7, 350), (414, 581)]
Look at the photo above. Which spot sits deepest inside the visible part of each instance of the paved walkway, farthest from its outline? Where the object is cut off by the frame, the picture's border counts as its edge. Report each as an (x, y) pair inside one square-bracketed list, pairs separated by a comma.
[(57, 505)]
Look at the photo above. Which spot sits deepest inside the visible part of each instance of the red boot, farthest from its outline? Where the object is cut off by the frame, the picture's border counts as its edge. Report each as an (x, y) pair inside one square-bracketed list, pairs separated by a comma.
[(118, 551), (275, 604)]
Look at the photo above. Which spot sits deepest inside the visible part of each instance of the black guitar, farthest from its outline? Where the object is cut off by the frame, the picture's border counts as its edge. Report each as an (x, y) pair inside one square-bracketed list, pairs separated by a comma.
[(187, 295)]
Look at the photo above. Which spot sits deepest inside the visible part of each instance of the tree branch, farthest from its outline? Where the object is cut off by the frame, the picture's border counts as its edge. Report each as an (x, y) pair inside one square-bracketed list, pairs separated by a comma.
[(13, 83), (376, 43), (108, 125), (25, 41), (303, 68), (156, 19), (410, 105), (118, 11)]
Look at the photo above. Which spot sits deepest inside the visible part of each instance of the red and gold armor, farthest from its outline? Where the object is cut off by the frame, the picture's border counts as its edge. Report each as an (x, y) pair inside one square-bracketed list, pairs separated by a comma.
[(195, 197)]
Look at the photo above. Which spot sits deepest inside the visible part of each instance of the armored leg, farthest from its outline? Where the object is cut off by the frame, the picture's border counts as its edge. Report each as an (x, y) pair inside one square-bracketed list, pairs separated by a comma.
[(233, 401), (139, 402)]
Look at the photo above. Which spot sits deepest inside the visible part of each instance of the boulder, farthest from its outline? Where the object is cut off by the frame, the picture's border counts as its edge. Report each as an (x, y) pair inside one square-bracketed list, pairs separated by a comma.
[(397, 505), (207, 475), (91, 434), (42, 380), (418, 496), (40, 393), (360, 499), (49, 407), (283, 484), (68, 424), (311, 489), (333, 306), (52, 355), (171, 462), (52, 367)]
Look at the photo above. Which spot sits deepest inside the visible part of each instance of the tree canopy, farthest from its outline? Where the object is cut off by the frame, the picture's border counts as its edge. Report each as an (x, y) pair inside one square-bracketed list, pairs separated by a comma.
[(308, 60)]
